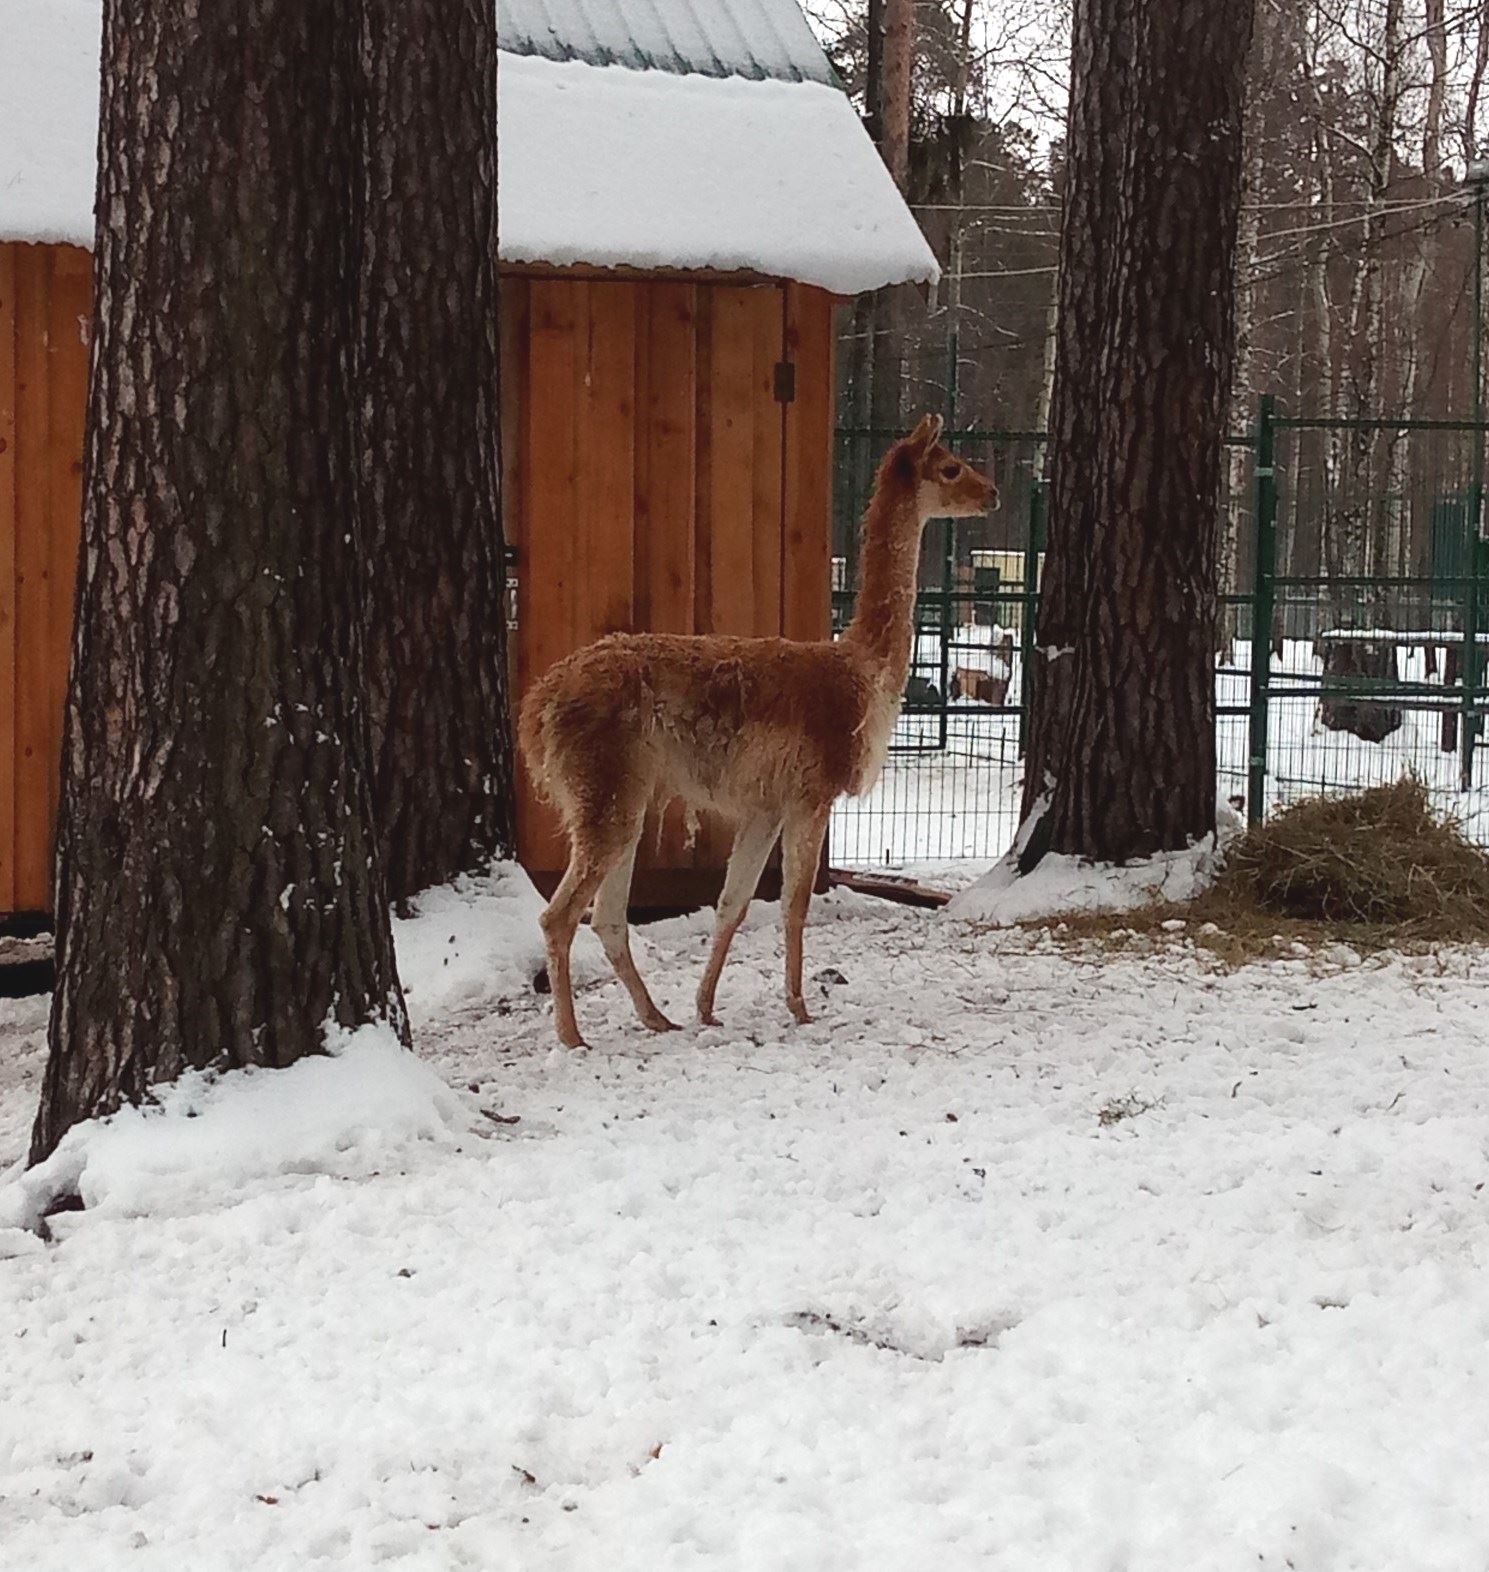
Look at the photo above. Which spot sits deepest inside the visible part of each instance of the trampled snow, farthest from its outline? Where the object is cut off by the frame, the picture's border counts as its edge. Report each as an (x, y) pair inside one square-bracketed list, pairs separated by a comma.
[(600, 165), (471, 945), (1016, 1259)]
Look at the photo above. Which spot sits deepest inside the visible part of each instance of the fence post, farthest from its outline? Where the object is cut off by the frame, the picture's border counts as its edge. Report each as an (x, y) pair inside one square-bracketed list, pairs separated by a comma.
[(1263, 597), (948, 623), (1033, 545), (1472, 666)]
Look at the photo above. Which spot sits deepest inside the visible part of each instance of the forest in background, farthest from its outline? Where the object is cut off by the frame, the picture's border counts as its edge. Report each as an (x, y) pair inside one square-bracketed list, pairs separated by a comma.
[(1356, 257)]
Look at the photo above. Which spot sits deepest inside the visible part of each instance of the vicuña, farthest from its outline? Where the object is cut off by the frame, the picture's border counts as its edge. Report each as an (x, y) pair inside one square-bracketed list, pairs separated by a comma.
[(765, 732)]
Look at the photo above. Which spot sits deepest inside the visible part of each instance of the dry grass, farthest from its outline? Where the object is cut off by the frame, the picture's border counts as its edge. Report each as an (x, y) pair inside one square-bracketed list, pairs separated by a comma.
[(1376, 870)]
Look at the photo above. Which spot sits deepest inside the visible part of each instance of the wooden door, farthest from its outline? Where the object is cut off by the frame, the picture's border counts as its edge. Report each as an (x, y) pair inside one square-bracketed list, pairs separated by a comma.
[(664, 475), (45, 305)]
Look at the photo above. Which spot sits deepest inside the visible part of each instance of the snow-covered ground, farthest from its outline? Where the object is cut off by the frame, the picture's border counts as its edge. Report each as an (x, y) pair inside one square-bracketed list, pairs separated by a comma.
[(937, 808), (1015, 1259)]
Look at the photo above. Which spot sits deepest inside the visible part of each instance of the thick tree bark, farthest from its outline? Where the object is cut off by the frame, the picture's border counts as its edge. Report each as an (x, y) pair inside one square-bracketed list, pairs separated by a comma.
[(1123, 737), (219, 896), (428, 424)]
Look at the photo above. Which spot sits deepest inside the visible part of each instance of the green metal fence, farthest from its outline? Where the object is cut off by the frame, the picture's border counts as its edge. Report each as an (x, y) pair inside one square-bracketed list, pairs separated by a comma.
[(1369, 574), (1355, 545), (950, 789)]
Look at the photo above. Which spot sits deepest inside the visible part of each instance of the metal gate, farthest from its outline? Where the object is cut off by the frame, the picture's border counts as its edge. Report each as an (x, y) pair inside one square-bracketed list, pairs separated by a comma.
[(1369, 574)]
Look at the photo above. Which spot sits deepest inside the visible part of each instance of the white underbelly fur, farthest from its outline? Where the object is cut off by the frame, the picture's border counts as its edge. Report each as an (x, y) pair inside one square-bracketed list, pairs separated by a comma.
[(878, 728)]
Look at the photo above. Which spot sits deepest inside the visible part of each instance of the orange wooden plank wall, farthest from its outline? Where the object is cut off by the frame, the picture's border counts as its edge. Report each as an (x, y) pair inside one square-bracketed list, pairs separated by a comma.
[(654, 482), (45, 304)]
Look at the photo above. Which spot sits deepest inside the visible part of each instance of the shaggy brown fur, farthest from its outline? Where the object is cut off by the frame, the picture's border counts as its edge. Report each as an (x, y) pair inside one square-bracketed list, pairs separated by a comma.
[(766, 732)]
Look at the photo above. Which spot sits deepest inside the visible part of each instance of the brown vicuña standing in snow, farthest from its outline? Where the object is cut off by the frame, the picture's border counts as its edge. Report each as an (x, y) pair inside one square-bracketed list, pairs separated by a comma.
[(766, 732)]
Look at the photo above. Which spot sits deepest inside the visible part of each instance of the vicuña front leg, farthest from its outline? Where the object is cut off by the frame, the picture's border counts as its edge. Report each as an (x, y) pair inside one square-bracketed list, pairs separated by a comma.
[(801, 854), (609, 922), (752, 842)]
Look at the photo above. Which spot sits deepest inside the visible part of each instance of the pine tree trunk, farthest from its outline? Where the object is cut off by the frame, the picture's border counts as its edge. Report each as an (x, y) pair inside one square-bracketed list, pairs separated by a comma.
[(1124, 726), (428, 428), (219, 896)]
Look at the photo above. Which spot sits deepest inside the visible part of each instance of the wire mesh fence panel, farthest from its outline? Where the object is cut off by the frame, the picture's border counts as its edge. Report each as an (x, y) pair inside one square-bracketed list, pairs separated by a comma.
[(1356, 543), (949, 791), (1377, 629), (1236, 562)]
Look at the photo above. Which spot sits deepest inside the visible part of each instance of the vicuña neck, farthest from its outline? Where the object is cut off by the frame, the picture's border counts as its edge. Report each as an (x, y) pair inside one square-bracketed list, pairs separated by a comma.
[(884, 617)]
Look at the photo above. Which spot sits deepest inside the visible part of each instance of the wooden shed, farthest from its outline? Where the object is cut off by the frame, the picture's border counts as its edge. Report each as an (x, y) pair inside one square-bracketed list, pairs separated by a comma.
[(686, 197)]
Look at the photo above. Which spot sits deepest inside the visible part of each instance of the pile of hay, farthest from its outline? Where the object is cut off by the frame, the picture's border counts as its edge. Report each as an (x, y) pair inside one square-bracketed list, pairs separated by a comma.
[(1378, 859), (1374, 871)]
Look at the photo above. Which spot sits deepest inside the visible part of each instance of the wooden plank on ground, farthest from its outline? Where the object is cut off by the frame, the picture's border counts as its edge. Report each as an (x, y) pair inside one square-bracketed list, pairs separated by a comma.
[(34, 645), (907, 892), (7, 578), (549, 463), (806, 573)]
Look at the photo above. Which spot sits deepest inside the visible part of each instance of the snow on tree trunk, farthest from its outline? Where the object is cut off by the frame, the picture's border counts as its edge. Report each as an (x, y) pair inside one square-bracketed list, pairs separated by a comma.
[(428, 429), (1123, 726), (219, 896)]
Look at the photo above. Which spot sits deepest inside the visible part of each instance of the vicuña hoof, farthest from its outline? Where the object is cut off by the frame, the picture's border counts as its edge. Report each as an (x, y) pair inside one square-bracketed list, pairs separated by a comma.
[(571, 1039), (799, 1010), (707, 1018), (659, 1023)]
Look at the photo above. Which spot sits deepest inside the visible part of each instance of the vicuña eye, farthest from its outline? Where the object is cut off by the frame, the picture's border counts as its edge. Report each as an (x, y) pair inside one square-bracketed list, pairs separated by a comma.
[(948, 471)]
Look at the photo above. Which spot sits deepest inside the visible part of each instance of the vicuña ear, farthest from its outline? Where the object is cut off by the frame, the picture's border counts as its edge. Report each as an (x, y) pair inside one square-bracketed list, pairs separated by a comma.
[(927, 433)]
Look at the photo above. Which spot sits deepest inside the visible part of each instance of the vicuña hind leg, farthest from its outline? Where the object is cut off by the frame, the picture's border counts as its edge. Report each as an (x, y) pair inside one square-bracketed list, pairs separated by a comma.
[(753, 839), (585, 871), (801, 854), (609, 922)]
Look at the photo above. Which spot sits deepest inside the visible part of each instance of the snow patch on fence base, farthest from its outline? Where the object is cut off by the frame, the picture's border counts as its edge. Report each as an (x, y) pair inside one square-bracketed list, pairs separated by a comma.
[(1061, 885)]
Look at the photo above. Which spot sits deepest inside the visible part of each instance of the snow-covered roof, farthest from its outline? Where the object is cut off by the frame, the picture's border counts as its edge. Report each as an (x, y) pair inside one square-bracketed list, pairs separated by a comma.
[(719, 143), (752, 38), (650, 170), (48, 118)]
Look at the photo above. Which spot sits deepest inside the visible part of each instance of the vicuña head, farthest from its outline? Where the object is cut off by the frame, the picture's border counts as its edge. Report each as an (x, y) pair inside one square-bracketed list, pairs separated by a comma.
[(944, 486)]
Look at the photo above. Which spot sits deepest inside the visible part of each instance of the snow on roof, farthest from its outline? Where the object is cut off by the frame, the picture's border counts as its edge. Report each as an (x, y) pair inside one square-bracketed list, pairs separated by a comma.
[(743, 167), (649, 170), (48, 118), (753, 38)]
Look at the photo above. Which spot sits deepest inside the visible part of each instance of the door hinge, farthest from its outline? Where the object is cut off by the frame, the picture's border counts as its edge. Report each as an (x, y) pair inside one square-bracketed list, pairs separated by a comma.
[(785, 381)]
